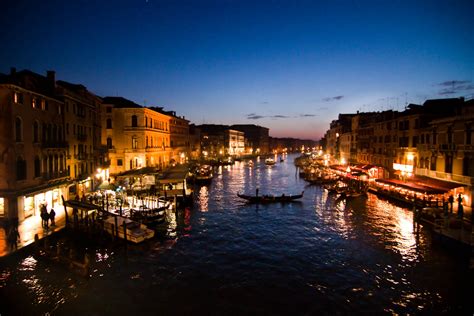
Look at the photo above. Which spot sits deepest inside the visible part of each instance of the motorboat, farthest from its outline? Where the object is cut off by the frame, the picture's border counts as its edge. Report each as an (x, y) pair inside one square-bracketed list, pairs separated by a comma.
[(269, 161), (128, 229)]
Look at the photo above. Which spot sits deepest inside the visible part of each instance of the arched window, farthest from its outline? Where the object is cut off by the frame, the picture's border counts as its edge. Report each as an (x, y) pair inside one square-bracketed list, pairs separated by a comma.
[(18, 130), (109, 143), (20, 169), (134, 121), (109, 123), (37, 167), (35, 132)]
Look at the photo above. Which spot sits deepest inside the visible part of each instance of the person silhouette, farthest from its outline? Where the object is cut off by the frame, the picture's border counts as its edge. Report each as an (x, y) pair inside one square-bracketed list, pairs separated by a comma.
[(52, 214), (460, 206)]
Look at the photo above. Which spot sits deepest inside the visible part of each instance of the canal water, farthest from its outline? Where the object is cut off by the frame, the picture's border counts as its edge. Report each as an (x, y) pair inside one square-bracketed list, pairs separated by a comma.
[(222, 256)]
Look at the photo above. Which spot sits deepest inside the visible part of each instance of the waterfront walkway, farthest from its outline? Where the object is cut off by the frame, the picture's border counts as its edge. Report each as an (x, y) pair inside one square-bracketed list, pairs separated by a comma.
[(27, 230)]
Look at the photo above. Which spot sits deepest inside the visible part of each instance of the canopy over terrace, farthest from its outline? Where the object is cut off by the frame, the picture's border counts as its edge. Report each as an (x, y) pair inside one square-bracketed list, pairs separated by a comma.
[(437, 183), (412, 186)]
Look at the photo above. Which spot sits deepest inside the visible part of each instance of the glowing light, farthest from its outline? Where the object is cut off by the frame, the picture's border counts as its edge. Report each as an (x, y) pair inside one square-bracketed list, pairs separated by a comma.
[(410, 157)]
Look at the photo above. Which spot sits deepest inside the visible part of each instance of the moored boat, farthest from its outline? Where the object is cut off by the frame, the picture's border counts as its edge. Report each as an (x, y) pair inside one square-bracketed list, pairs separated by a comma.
[(126, 228)]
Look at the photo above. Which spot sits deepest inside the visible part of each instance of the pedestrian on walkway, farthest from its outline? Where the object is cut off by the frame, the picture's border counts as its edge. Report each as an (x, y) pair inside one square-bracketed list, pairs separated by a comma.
[(44, 216), (13, 237), (451, 202), (52, 214), (460, 207)]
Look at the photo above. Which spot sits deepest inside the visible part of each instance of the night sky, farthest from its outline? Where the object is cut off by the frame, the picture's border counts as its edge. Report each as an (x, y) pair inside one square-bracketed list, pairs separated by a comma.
[(291, 66)]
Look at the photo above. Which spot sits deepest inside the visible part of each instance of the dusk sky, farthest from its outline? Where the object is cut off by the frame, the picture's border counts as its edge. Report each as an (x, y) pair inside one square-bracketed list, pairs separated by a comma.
[(292, 66)]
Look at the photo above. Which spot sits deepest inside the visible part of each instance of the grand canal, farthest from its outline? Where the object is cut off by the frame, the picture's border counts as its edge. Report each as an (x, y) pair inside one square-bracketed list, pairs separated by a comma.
[(223, 256)]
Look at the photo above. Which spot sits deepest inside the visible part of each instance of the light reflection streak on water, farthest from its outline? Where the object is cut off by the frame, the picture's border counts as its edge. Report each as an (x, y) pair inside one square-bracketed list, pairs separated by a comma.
[(203, 199), (398, 227)]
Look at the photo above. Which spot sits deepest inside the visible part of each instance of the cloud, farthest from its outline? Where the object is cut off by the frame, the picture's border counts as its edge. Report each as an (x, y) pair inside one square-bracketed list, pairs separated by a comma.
[(264, 102), (336, 98), (454, 86), (450, 83), (253, 116), (280, 116), (308, 115)]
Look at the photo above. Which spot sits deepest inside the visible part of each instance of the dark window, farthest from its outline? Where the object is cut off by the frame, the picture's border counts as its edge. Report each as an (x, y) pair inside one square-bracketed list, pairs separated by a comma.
[(414, 141), (134, 121), (18, 130), (109, 143), (20, 169), (109, 123), (119, 162), (37, 167), (108, 109), (35, 132)]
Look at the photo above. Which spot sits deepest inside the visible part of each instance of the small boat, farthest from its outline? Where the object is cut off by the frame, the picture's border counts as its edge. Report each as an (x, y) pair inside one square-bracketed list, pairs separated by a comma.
[(203, 174), (135, 232), (150, 216), (269, 198), (269, 161)]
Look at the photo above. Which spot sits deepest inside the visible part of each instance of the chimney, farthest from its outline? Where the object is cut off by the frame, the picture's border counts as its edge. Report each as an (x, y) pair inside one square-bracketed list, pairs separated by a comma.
[(12, 71), (51, 77)]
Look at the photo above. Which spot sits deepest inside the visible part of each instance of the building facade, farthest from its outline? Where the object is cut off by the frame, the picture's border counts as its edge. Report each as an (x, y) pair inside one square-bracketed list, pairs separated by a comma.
[(257, 137), (33, 147), (135, 136)]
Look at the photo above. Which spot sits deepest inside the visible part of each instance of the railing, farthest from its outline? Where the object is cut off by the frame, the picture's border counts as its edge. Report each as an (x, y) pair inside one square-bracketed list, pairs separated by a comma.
[(54, 144), (447, 147), (465, 147), (81, 156), (54, 175), (445, 176), (81, 137)]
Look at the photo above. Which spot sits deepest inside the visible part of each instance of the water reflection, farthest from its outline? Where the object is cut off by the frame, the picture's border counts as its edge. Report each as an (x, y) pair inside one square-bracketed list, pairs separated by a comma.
[(323, 255), (203, 198)]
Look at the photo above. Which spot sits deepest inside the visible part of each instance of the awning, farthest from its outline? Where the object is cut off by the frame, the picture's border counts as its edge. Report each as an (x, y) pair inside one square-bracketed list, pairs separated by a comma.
[(412, 186), (437, 183), (44, 187), (138, 172)]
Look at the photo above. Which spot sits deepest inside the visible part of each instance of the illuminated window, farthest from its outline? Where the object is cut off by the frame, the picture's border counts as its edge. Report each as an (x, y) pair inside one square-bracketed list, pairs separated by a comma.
[(18, 97), (134, 142), (34, 103), (2, 206)]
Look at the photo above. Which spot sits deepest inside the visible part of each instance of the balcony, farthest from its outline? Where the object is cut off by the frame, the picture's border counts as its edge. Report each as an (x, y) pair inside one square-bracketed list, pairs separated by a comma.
[(81, 156), (447, 147), (445, 176), (81, 137), (54, 144), (469, 148), (54, 175)]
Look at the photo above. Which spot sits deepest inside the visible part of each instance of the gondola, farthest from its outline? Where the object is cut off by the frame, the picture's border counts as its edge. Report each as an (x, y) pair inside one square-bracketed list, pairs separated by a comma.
[(267, 198)]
